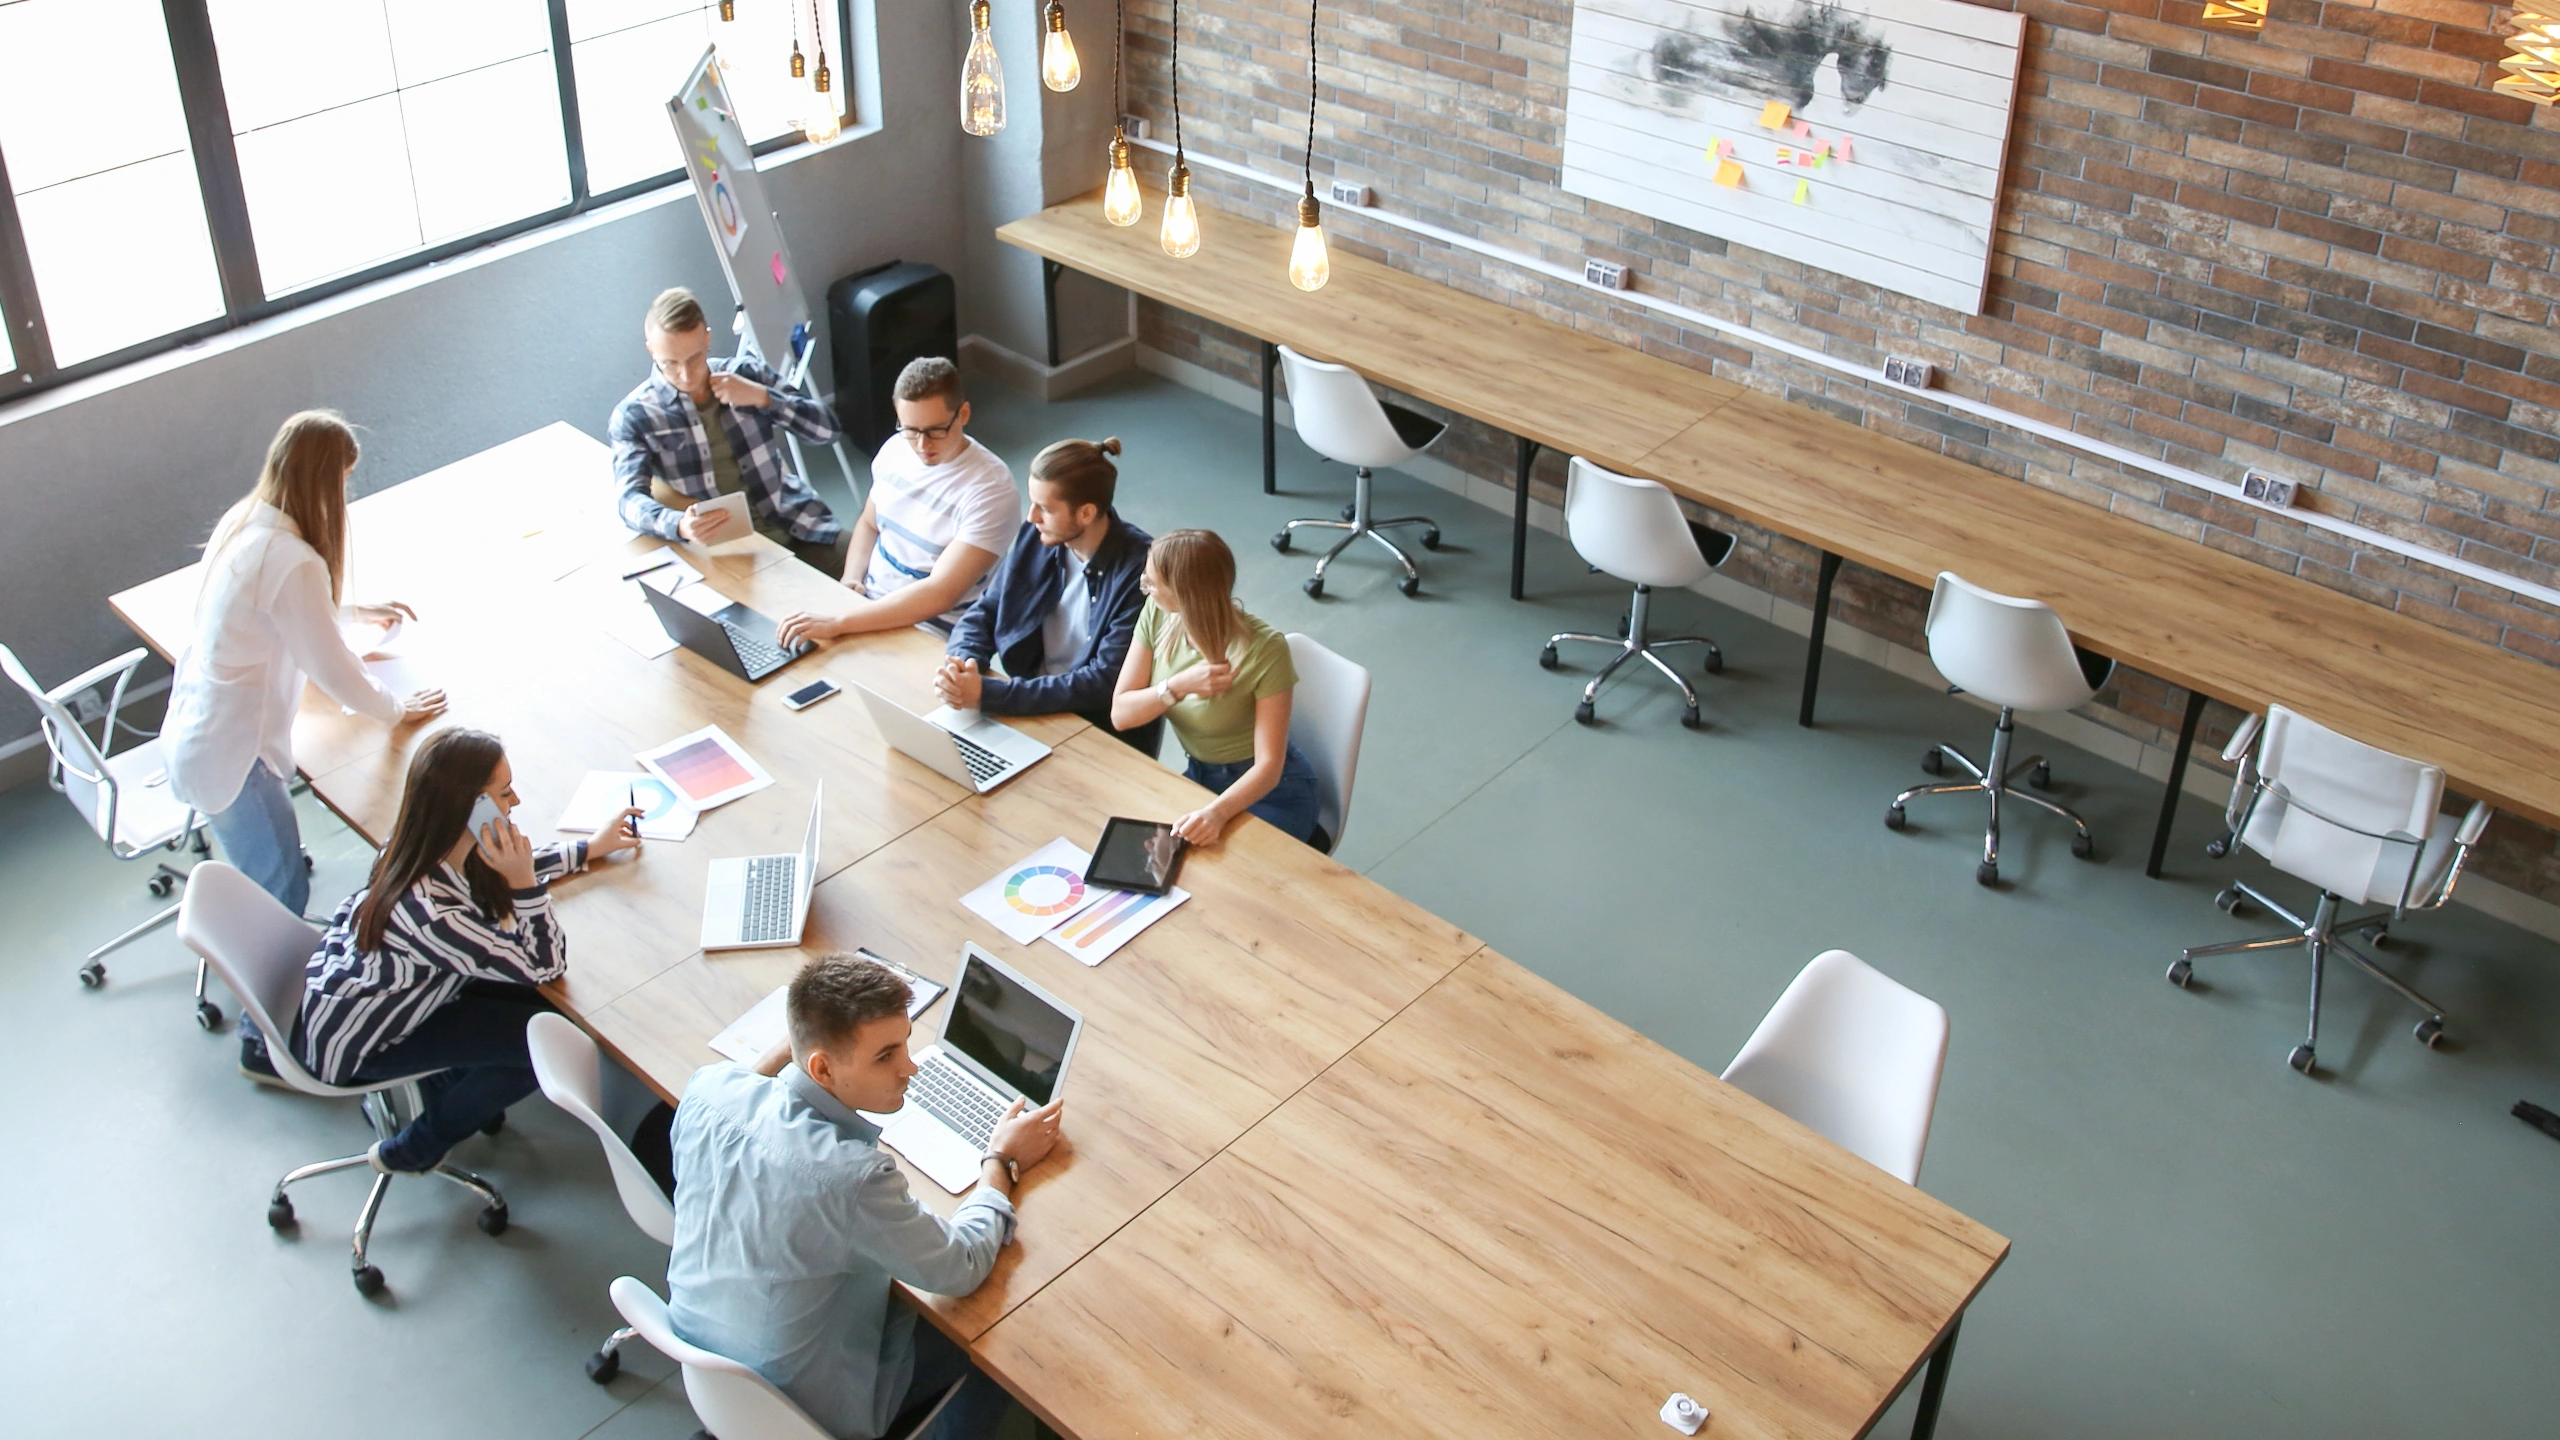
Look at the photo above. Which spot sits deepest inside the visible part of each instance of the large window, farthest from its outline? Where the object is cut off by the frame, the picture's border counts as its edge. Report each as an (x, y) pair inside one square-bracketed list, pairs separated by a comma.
[(169, 168)]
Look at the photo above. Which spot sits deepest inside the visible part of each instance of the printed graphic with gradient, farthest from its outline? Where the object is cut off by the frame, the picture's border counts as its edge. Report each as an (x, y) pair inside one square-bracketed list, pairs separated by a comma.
[(1043, 889)]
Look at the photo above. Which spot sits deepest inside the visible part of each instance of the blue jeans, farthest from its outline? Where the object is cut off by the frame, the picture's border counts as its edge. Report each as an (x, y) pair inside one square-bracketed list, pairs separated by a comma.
[(476, 1044), (974, 1412), (1291, 805), (261, 838)]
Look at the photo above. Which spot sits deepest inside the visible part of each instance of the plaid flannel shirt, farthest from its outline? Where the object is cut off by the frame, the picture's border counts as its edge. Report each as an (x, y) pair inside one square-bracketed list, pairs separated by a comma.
[(657, 434)]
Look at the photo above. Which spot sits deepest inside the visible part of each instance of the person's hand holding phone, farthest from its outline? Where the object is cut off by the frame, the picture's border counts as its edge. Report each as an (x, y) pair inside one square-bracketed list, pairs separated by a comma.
[(505, 848)]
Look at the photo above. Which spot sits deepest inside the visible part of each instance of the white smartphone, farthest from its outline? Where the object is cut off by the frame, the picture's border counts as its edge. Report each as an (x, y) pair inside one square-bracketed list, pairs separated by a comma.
[(809, 694), (484, 813)]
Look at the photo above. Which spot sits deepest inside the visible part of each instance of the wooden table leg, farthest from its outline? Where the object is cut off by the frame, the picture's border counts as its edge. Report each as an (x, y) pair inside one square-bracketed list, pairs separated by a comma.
[(2177, 782), (1821, 623), (1933, 1389), (1270, 459), (1520, 512)]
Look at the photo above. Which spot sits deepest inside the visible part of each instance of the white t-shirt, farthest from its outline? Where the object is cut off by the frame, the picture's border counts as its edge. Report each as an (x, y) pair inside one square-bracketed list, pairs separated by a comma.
[(1069, 627), (923, 510)]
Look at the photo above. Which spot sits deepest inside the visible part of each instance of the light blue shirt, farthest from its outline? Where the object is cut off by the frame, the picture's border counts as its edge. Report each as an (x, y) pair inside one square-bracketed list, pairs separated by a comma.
[(791, 1222)]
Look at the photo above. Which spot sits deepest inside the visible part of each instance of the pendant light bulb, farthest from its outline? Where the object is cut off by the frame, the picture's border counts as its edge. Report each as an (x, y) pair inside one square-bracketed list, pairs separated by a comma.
[(728, 9), (981, 78), (1122, 204), (1181, 233), (799, 67), (1059, 68), (1309, 265), (820, 124)]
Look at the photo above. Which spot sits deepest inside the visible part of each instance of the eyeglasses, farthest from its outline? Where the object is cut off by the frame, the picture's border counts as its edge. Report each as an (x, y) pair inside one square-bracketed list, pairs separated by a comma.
[(682, 364), (929, 432)]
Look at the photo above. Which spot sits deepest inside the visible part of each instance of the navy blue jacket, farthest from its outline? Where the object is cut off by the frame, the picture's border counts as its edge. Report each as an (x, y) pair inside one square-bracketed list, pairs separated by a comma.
[(1006, 622)]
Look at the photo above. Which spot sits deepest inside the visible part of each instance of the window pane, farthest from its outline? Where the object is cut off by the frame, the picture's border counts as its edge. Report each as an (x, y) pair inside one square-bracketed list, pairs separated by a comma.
[(284, 59), (509, 111), (632, 55), (8, 352), (431, 39), (57, 121), (757, 48), (591, 18), (329, 193)]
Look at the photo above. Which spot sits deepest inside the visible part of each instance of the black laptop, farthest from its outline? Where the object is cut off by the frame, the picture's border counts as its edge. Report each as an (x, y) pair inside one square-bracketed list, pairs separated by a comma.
[(733, 637)]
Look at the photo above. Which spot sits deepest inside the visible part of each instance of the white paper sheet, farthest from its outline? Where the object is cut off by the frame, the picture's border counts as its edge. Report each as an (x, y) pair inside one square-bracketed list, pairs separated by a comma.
[(604, 793), (1044, 890)]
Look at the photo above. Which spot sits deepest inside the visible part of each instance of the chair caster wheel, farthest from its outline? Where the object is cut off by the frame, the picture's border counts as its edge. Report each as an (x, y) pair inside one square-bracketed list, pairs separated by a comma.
[(1350, 511), (208, 1015), (280, 1213), (2430, 1033), (494, 1123), (2083, 847), (202, 844), (2231, 902), (1622, 627), (603, 1365), (1586, 713), (1987, 873), (2040, 778), (2216, 849), (1715, 661), (1280, 542), (2300, 1059), (92, 975), (1547, 658), (2182, 973), (368, 1281), (1689, 718), (493, 1220), (161, 885), (1935, 762), (2377, 936), (1314, 586), (1894, 819), (309, 864), (1431, 539), (1410, 585)]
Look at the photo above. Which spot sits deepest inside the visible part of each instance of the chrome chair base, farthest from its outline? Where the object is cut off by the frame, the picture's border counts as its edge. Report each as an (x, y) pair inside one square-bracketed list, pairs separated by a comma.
[(2321, 934), (1637, 641), (385, 1111), (1992, 780), (1356, 522)]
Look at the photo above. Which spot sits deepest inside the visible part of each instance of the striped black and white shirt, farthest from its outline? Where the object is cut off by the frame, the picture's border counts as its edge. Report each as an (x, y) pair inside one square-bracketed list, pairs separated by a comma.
[(356, 1004)]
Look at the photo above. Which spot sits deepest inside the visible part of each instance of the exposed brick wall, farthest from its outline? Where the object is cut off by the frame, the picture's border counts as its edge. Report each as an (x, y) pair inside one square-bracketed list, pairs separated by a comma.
[(2326, 250)]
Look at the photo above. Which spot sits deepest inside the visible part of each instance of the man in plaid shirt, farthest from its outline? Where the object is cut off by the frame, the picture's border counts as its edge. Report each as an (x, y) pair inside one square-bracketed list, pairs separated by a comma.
[(701, 428)]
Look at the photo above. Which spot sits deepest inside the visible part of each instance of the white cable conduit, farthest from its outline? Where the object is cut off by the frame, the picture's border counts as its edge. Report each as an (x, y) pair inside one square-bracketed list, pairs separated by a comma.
[(1994, 414)]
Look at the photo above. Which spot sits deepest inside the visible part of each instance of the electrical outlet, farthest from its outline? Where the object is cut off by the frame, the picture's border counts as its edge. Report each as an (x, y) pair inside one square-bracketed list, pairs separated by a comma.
[(1902, 370), (2266, 489), (1607, 274), (88, 705), (1136, 129), (1350, 192)]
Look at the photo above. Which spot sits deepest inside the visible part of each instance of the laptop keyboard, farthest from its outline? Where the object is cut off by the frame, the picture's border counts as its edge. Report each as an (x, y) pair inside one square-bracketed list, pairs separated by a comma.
[(773, 890), (984, 764), (951, 1097), (756, 654)]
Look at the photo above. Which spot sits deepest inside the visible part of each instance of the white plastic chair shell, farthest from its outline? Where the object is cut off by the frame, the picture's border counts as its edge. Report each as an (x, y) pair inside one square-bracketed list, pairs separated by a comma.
[(732, 1401), (1853, 1055), (1328, 713), (2014, 653), (570, 1069), (125, 798), (1631, 528), (1338, 415), (2323, 788)]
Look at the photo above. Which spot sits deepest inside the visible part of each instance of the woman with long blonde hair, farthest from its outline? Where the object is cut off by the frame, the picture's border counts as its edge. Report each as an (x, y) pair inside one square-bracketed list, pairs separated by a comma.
[(1223, 680)]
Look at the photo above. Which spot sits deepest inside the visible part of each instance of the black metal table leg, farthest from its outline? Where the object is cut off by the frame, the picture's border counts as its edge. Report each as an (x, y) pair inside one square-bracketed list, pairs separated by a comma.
[(1520, 512), (1270, 456), (1821, 623), (2177, 782), (1050, 270), (1933, 1389)]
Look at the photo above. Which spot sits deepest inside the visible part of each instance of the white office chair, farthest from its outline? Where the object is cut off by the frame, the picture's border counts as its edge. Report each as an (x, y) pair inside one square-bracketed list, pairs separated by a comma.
[(1327, 714), (1854, 1056), (1342, 419), (2017, 655), (125, 798), (732, 1401), (570, 1069), (2362, 824), (261, 949), (1633, 529)]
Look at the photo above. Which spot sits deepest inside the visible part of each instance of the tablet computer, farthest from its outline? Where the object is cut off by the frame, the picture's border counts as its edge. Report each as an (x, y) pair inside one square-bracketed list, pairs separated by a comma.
[(1139, 855)]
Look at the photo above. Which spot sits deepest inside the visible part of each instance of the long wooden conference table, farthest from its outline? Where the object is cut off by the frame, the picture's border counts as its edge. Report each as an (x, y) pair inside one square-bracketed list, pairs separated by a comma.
[(2213, 623), (1331, 1166)]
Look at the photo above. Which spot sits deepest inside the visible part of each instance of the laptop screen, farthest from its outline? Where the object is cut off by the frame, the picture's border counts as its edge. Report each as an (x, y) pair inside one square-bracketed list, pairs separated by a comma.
[(1013, 1034), (809, 846)]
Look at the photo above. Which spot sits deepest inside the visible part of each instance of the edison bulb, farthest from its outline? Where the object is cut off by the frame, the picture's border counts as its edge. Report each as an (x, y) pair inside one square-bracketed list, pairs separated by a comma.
[(1181, 233), (981, 78), (1309, 265), (819, 122), (1121, 202), (1059, 69)]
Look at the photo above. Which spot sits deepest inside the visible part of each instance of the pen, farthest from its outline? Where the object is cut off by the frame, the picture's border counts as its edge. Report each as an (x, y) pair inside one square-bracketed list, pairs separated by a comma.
[(662, 561)]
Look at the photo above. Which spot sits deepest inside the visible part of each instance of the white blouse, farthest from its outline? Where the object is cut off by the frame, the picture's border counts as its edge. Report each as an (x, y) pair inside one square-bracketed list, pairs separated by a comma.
[(263, 621)]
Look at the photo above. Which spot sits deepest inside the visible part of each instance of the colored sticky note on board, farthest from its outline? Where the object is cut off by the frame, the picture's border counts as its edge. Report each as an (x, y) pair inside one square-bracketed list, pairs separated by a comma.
[(1729, 174), (1844, 147), (1724, 149), (1800, 130), (1786, 156), (1773, 114), (1821, 148), (1802, 188), (778, 272)]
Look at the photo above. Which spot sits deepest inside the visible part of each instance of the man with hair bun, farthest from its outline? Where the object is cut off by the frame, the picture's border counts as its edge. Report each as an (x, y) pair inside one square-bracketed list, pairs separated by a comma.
[(792, 1222)]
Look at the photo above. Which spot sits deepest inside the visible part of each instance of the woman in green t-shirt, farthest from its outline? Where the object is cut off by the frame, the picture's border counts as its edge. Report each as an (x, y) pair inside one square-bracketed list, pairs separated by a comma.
[(1223, 679)]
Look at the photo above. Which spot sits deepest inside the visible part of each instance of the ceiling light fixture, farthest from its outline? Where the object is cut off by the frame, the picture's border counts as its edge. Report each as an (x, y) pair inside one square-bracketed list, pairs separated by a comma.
[(821, 120), (981, 78), (2236, 14), (1059, 68), (1181, 232), (1309, 265), (2533, 66), (1121, 202)]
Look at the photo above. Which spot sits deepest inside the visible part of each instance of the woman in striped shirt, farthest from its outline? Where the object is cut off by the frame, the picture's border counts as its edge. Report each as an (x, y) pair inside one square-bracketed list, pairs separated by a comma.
[(432, 965)]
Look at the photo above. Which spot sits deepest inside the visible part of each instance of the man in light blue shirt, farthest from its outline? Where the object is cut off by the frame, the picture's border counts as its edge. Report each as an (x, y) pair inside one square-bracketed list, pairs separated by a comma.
[(792, 1222)]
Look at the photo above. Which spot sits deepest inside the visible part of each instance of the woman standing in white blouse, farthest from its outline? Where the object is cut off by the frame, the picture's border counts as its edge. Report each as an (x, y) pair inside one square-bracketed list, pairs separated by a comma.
[(267, 617)]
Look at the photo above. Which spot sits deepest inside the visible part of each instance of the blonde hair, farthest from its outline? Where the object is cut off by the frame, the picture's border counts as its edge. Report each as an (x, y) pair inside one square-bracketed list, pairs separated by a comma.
[(676, 312), (1082, 471), (305, 477), (1197, 572)]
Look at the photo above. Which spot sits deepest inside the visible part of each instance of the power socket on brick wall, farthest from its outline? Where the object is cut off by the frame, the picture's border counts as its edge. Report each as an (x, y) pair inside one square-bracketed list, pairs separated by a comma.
[(2266, 489), (1607, 274), (1135, 128), (1349, 192), (1902, 370)]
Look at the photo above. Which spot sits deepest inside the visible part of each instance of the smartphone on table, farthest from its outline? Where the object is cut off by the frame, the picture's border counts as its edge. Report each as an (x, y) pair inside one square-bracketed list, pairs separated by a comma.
[(809, 694)]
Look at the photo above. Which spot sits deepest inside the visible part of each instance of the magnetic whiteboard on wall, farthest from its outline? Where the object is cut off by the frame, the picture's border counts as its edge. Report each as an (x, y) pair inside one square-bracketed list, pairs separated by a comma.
[(744, 230), (1922, 88)]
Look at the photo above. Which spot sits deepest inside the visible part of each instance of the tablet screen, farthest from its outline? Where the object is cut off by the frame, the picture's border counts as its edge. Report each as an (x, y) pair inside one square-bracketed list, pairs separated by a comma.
[(1139, 855)]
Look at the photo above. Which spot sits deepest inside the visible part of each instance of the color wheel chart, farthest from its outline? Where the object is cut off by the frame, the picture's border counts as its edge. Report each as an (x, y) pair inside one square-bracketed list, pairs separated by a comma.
[(1043, 890)]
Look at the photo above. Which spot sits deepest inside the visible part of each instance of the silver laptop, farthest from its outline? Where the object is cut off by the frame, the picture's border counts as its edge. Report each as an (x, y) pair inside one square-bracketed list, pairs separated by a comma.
[(762, 901), (972, 750), (1004, 1039)]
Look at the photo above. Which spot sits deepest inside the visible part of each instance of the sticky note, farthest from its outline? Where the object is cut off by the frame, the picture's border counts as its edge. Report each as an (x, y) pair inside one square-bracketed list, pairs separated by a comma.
[(1786, 156), (1809, 159), (1724, 149), (777, 267), (1729, 175), (1822, 147), (1773, 114), (1802, 186), (1844, 147), (1801, 130)]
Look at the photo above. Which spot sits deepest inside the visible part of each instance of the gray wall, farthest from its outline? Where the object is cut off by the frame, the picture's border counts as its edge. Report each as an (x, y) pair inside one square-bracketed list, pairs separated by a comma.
[(108, 489)]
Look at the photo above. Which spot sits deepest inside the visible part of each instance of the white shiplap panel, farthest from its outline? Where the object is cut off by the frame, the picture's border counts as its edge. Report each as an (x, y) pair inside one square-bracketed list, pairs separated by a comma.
[(1990, 36)]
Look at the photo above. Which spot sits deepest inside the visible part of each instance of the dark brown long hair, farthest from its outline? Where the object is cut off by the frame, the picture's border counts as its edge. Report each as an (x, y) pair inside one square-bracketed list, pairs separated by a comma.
[(305, 477), (445, 777)]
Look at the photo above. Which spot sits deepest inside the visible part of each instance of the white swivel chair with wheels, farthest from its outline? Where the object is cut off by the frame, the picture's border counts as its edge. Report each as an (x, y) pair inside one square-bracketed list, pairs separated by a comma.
[(1854, 1056), (570, 1070), (125, 798), (1342, 419), (732, 1401), (260, 949), (2017, 655), (1327, 714), (1634, 529), (2362, 824)]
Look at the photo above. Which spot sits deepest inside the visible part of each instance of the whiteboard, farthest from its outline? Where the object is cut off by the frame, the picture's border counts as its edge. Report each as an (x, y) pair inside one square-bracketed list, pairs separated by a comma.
[(745, 231), (1922, 89)]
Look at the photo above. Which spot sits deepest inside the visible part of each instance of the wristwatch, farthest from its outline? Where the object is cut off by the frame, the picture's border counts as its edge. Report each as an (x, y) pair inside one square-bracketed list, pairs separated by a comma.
[(1012, 1172), (1164, 692)]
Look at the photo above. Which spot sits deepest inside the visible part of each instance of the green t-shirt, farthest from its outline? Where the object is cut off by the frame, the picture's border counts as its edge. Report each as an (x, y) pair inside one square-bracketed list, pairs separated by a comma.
[(1219, 731), (725, 479)]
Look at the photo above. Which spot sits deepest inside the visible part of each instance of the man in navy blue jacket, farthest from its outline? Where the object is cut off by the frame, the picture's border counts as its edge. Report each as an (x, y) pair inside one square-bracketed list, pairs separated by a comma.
[(1058, 612)]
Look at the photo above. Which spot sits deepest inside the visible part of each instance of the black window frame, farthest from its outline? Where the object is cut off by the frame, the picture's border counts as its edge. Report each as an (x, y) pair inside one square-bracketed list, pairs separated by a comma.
[(226, 207)]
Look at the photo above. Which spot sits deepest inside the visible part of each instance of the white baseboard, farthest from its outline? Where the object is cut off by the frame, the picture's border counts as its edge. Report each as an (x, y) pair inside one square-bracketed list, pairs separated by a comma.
[(2206, 781), (1049, 382)]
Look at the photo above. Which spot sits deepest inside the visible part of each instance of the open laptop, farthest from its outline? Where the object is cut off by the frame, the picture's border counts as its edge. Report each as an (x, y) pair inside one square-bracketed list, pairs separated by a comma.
[(975, 751), (733, 637), (761, 901), (1004, 1039)]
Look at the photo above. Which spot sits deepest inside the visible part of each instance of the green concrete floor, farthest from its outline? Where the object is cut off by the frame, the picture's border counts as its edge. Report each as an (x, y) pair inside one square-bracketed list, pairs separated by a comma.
[(2205, 1243)]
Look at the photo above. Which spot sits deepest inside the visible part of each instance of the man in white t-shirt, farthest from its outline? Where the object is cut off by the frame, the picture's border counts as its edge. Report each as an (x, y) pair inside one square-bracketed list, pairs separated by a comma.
[(941, 512)]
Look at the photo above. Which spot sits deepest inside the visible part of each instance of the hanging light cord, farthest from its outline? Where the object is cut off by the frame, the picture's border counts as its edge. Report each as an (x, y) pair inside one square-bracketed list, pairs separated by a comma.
[(1177, 81), (1119, 27), (1311, 96)]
